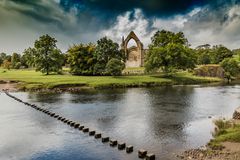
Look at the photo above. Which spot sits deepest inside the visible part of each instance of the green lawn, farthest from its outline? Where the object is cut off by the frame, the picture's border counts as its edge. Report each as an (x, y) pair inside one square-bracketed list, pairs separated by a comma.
[(35, 80)]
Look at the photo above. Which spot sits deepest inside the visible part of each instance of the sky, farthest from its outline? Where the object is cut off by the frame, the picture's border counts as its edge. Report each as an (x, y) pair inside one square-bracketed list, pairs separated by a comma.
[(82, 21)]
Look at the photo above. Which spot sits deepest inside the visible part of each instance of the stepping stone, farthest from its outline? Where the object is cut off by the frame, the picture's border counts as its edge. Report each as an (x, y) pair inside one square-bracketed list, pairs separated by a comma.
[(72, 124), (52, 114), (113, 142), (105, 139), (92, 133), (80, 127), (85, 130), (121, 146), (129, 149), (150, 156), (76, 125), (142, 153), (98, 135)]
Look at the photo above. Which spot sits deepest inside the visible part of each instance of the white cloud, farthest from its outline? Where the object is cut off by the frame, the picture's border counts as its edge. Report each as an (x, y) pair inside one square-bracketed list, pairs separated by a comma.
[(200, 26), (130, 21), (144, 27)]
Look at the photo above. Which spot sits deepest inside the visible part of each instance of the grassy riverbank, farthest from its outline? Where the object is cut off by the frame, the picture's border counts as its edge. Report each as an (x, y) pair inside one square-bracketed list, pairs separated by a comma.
[(225, 145), (227, 131), (36, 80)]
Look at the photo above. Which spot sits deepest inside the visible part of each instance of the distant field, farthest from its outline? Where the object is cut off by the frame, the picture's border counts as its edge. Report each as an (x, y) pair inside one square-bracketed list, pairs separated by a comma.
[(37, 80)]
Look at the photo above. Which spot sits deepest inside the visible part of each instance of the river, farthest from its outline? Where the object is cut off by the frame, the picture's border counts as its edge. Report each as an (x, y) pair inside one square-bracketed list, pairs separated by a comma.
[(163, 120)]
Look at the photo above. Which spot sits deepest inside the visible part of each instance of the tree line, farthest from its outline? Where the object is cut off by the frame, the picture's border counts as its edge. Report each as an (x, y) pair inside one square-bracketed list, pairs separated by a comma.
[(168, 52)]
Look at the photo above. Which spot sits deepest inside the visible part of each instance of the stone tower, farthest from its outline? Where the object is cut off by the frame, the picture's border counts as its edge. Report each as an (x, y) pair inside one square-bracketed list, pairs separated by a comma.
[(134, 54)]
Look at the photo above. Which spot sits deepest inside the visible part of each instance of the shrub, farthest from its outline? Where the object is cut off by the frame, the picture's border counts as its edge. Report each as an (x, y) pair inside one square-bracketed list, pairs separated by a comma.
[(115, 67)]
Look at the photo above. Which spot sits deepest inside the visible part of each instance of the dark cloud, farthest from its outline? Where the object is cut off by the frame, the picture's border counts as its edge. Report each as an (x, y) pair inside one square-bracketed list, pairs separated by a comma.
[(75, 21), (160, 8)]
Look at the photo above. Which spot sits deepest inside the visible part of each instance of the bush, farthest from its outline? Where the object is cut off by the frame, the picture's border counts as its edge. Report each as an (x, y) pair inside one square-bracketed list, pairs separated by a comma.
[(115, 67), (230, 65)]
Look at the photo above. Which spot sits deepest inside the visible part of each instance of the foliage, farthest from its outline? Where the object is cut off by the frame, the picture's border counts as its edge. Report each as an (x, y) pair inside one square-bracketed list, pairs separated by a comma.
[(212, 55), (231, 67), (6, 64), (29, 56), (163, 38), (2, 57), (15, 61), (81, 60), (48, 57), (170, 56), (220, 52), (106, 49), (115, 67), (204, 55)]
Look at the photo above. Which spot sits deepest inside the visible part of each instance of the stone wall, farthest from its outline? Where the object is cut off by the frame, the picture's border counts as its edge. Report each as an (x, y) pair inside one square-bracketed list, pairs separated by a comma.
[(209, 71)]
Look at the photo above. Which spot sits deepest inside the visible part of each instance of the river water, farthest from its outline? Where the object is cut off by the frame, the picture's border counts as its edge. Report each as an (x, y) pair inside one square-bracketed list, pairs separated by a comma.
[(163, 120)]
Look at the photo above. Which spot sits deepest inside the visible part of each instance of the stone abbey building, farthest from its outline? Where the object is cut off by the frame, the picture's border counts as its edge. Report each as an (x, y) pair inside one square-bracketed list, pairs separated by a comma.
[(134, 54)]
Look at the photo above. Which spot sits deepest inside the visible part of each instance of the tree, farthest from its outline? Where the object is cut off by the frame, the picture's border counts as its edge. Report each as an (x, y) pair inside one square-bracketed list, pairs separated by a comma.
[(220, 52), (115, 67), (15, 61), (169, 54), (106, 49), (2, 57), (81, 60), (204, 54), (6, 64), (48, 57), (163, 38), (29, 56), (231, 68)]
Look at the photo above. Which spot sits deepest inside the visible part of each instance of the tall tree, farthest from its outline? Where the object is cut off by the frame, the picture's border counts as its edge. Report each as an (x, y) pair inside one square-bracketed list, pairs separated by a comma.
[(80, 59), (163, 38), (106, 49), (204, 54), (6, 64), (169, 58), (2, 57), (231, 68), (48, 57), (169, 51), (220, 52), (16, 61), (29, 56)]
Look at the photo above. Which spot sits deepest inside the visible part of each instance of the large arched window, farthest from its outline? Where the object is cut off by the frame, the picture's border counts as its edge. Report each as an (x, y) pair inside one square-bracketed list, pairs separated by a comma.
[(131, 43)]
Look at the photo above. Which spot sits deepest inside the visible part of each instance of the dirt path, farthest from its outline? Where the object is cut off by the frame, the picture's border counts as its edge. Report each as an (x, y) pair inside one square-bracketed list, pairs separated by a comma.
[(8, 86)]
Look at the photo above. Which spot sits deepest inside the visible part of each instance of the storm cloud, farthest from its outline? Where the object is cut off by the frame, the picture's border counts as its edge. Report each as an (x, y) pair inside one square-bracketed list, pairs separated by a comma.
[(76, 21)]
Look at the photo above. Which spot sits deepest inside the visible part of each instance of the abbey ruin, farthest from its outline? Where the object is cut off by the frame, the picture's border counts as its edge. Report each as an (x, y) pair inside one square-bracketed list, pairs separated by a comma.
[(134, 54)]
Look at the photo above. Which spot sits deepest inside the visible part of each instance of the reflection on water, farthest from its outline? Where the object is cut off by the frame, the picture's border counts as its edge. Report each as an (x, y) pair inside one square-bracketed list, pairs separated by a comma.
[(163, 120)]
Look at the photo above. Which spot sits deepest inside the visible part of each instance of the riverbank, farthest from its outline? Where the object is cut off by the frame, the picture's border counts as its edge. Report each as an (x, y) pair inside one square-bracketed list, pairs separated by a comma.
[(225, 145), (31, 80)]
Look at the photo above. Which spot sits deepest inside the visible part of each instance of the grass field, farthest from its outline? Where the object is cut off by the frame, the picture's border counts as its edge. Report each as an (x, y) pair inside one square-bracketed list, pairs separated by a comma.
[(37, 80)]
